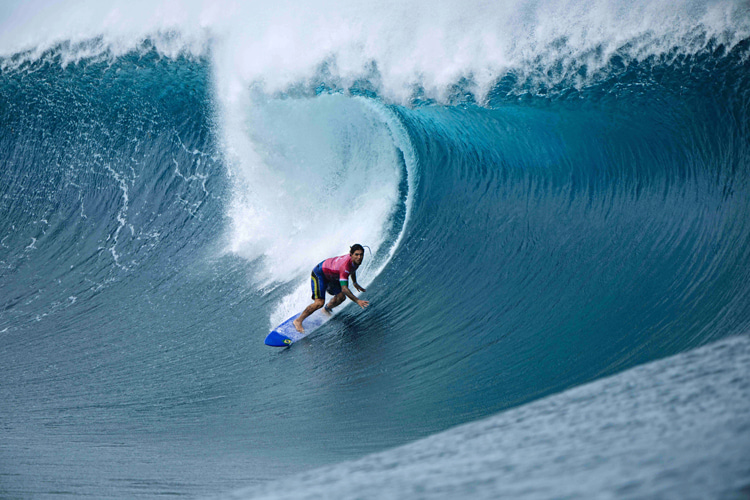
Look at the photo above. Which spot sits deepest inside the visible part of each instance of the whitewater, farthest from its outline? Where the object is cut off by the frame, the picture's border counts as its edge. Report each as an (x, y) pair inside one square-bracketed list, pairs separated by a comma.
[(555, 196)]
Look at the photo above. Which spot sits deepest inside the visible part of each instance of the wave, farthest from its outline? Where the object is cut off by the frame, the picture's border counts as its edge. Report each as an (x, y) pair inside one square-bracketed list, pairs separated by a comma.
[(311, 178), (553, 446), (592, 234), (399, 51), (553, 196)]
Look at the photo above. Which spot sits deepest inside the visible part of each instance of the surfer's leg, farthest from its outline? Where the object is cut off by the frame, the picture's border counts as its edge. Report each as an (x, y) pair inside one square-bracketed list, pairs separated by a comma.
[(318, 285), (334, 288), (336, 300), (317, 304)]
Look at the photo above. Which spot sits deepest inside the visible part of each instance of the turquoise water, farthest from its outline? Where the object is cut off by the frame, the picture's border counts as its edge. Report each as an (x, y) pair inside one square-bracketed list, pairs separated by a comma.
[(584, 214), (674, 428)]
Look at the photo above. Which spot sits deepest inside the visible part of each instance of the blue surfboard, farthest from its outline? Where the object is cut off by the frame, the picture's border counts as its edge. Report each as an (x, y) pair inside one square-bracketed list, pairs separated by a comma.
[(285, 334)]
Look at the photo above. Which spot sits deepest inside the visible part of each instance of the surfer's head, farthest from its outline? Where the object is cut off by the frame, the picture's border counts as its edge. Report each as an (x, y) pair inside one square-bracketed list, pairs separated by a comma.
[(357, 252)]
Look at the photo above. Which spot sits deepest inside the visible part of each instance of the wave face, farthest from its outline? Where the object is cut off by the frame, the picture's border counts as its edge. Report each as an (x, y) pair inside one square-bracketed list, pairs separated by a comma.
[(588, 231), (547, 203)]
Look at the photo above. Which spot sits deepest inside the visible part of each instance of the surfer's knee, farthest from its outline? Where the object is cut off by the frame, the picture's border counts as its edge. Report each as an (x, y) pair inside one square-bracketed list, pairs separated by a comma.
[(318, 303)]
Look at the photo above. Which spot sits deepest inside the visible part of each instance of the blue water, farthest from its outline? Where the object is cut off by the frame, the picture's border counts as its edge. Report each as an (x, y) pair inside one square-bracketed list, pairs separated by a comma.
[(674, 428), (572, 225)]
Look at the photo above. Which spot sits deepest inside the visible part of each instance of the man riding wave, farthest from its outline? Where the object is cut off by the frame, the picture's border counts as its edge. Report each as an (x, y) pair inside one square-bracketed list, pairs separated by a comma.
[(332, 276)]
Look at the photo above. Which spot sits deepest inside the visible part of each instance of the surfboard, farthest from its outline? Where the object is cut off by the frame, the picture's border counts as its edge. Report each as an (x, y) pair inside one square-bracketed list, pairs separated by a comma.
[(285, 334)]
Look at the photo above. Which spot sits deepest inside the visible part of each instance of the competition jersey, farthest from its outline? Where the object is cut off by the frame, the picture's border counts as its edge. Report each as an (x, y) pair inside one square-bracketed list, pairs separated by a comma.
[(339, 268)]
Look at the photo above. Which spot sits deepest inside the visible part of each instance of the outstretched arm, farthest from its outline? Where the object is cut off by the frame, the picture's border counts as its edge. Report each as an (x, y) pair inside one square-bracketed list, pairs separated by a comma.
[(356, 285), (348, 293)]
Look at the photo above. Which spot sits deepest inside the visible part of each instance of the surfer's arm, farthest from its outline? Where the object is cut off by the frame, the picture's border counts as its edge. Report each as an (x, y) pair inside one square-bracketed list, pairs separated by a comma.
[(348, 293), (356, 285)]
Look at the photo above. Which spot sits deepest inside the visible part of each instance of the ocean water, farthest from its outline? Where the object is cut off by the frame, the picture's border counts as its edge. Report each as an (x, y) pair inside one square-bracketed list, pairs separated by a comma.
[(555, 197), (674, 428)]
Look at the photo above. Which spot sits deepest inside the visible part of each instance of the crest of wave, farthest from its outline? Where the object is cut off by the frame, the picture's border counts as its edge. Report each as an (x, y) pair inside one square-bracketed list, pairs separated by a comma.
[(396, 45)]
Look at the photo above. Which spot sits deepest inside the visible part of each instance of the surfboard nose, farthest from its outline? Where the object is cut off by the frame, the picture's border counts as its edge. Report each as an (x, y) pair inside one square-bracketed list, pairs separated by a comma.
[(275, 339)]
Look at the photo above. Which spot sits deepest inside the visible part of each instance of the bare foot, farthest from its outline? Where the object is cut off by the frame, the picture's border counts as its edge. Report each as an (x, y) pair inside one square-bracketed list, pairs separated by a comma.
[(298, 325)]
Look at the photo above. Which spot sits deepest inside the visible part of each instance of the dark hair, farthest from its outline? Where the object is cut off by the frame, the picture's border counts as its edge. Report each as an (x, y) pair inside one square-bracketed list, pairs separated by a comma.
[(356, 247)]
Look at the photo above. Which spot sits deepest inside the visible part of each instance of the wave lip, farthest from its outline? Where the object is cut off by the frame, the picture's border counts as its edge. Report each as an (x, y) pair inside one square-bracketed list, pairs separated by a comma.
[(398, 48)]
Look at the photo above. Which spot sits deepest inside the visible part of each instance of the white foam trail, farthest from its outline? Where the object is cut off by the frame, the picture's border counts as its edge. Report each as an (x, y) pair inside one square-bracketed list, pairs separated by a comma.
[(394, 137), (310, 178)]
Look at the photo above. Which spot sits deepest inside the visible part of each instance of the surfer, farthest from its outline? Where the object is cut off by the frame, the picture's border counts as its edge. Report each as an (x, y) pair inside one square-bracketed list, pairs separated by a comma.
[(332, 276)]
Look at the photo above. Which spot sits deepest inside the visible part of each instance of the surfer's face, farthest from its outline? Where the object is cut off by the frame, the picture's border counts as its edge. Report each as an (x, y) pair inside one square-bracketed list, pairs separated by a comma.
[(357, 257)]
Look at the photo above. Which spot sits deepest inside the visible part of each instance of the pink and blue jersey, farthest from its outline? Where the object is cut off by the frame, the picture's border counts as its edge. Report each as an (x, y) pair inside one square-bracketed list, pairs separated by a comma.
[(339, 268), (330, 275)]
